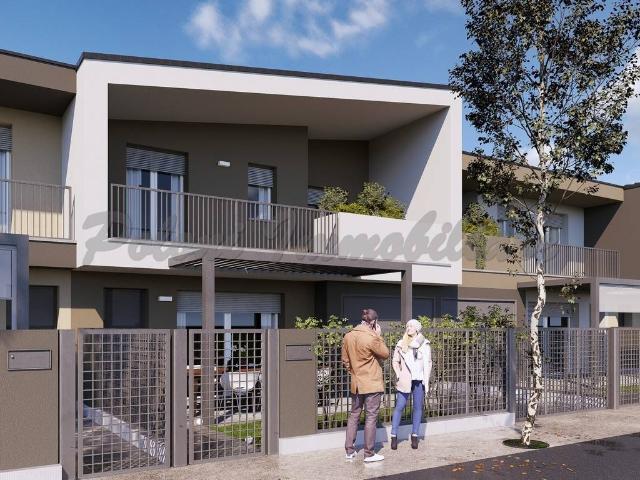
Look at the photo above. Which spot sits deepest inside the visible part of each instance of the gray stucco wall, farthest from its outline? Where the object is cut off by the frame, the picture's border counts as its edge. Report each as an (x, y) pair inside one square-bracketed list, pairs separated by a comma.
[(339, 164), (284, 148)]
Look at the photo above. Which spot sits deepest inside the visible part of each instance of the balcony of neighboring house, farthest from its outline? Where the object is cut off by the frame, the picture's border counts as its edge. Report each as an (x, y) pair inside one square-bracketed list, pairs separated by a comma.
[(566, 253)]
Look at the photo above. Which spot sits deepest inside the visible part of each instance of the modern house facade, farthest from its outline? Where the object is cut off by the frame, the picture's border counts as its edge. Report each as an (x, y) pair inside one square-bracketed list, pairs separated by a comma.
[(150, 164), (589, 238)]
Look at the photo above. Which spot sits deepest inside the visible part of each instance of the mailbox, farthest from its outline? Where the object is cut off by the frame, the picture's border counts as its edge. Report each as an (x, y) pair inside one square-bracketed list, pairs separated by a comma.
[(295, 353), (19, 360)]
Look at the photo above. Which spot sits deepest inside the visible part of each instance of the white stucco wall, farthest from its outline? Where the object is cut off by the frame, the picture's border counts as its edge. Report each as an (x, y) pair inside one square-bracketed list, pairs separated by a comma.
[(85, 146)]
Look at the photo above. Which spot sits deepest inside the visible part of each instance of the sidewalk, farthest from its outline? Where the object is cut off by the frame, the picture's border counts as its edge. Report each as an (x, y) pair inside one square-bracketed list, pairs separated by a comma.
[(436, 451)]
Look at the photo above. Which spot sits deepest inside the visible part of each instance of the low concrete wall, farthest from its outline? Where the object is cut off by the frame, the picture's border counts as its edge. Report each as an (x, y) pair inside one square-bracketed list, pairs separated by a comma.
[(335, 439), (48, 472)]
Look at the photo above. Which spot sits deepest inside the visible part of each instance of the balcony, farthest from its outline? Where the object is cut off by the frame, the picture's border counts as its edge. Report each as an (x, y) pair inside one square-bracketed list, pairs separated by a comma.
[(560, 260), (570, 261), (160, 216), (42, 211)]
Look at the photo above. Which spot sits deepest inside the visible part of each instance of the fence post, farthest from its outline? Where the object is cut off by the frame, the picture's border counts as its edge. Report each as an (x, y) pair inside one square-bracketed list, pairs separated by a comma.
[(67, 400), (613, 368), (512, 370), (179, 390), (270, 391), (466, 369)]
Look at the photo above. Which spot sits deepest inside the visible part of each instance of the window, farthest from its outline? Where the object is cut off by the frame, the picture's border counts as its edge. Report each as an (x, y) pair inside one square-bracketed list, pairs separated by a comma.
[(261, 192), (314, 195), (506, 228), (552, 234), (125, 308), (43, 307), (5, 174), (154, 206)]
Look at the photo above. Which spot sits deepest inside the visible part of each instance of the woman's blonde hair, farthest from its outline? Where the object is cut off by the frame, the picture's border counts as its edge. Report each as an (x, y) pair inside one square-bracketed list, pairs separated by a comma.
[(406, 339)]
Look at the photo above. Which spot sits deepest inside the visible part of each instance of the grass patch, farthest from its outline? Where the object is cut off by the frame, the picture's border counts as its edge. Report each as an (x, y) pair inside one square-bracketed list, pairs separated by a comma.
[(242, 430), (630, 389), (533, 445)]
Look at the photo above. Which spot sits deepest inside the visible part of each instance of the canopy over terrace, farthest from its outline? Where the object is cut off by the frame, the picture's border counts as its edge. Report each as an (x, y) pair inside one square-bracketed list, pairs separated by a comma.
[(322, 266)]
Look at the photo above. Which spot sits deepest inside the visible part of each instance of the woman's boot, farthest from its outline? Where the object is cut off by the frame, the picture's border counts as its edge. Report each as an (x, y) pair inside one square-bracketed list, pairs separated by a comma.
[(414, 441), (394, 442)]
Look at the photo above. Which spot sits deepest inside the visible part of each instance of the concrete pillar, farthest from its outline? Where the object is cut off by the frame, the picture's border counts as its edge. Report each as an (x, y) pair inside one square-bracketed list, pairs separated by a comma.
[(208, 293), (613, 368), (406, 295)]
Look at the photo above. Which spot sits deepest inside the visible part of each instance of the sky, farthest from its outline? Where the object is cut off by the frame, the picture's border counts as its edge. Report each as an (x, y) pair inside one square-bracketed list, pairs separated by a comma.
[(418, 40)]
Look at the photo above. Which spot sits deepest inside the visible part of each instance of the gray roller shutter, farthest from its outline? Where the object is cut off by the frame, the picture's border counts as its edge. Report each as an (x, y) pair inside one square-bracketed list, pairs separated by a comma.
[(156, 161), (260, 176), (314, 195), (557, 221), (6, 139), (229, 302)]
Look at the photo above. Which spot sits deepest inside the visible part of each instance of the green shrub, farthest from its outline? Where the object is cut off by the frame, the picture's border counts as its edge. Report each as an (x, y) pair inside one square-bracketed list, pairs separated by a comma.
[(477, 224), (372, 200)]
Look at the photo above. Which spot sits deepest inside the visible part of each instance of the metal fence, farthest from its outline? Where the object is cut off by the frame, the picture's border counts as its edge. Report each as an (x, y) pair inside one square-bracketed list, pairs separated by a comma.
[(123, 400), (225, 393), (139, 213), (39, 210), (468, 376), (629, 358), (574, 370), (571, 260)]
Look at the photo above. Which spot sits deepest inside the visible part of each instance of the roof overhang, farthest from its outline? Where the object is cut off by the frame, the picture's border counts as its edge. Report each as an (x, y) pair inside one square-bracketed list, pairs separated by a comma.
[(266, 261), (35, 84), (570, 193)]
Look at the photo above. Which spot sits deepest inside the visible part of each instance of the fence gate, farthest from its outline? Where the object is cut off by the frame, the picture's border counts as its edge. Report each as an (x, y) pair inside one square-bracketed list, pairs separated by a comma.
[(226, 385), (123, 400), (574, 370)]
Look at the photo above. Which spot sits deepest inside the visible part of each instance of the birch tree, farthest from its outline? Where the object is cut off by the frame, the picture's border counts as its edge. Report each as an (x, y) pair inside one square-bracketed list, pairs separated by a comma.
[(551, 80)]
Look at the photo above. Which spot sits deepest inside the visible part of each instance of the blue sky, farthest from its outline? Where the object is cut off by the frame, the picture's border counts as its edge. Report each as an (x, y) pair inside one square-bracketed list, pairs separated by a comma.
[(401, 39)]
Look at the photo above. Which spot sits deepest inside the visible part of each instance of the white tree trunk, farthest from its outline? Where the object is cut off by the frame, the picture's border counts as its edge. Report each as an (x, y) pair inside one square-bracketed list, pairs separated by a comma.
[(536, 355)]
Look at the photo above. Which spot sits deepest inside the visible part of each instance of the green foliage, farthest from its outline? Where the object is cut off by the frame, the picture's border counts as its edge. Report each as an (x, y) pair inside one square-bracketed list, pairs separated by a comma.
[(477, 220), (333, 198), (552, 78), (477, 224), (372, 200), (330, 335)]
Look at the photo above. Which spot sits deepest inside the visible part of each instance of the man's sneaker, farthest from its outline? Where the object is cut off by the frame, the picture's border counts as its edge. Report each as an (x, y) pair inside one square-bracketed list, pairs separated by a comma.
[(394, 442), (374, 458), (350, 456)]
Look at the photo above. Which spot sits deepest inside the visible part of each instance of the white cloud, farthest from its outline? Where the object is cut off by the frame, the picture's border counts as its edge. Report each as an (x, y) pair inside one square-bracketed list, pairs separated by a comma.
[(314, 27)]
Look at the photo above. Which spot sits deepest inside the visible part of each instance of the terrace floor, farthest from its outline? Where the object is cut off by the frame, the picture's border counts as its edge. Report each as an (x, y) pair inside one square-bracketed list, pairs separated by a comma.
[(435, 451)]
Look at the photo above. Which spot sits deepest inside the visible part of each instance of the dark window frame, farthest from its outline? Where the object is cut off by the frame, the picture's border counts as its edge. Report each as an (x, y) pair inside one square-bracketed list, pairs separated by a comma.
[(144, 307)]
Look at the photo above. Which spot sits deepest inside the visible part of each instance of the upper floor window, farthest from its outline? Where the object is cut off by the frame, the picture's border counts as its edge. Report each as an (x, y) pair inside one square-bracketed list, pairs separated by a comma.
[(506, 228), (552, 234), (314, 195), (153, 204), (555, 229), (261, 190)]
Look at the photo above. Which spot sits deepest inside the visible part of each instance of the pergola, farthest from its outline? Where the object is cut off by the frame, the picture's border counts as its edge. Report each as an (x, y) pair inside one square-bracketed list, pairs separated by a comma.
[(208, 260)]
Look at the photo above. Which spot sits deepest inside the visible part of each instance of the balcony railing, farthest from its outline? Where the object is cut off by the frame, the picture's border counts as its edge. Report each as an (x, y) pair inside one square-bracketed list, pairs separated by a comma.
[(40, 210), (147, 214), (570, 260)]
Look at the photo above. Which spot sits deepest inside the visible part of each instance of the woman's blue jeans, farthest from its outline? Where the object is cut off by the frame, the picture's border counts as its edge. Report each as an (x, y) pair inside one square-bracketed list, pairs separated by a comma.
[(417, 391)]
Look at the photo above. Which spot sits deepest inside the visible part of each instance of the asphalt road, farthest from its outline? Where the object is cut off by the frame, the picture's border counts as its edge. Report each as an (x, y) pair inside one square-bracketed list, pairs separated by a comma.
[(614, 458)]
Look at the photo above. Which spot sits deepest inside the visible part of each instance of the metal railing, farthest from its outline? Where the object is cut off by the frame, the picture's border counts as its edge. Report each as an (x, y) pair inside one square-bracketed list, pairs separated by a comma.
[(468, 376), (225, 393), (629, 358), (571, 260), (40, 210), (124, 402), (163, 216), (574, 370)]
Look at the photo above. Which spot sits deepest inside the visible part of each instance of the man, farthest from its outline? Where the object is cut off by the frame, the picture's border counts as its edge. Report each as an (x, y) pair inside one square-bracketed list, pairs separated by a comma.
[(362, 350)]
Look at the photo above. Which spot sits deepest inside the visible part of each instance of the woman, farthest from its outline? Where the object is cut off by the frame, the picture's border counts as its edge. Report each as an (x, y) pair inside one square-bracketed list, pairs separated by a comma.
[(412, 364)]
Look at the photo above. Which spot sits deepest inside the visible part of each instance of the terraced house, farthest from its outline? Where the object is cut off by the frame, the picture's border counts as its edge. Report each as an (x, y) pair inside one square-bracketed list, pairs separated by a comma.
[(129, 174), (159, 227)]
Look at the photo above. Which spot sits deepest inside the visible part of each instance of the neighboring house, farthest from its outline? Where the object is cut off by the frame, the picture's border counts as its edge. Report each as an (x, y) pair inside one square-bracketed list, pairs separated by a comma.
[(591, 242), (154, 168)]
